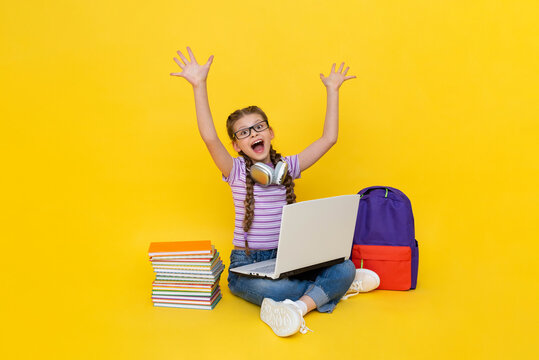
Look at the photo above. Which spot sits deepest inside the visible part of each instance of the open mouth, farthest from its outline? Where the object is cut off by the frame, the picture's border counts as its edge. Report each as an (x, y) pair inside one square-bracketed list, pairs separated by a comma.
[(258, 146)]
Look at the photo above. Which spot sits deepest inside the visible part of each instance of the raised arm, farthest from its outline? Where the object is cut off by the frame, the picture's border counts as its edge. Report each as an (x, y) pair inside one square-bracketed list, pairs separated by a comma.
[(331, 124), (196, 75)]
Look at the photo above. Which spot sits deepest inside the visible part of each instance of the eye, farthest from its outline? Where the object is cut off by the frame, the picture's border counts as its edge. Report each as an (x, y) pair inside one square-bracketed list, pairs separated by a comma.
[(243, 132), (260, 126)]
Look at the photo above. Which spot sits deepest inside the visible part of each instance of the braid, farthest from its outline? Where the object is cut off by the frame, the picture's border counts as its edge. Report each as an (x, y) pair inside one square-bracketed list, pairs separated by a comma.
[(288, 181), (249, 202)]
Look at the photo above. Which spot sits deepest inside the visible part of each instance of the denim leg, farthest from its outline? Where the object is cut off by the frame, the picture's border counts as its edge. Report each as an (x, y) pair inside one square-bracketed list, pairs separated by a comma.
[(326, 288), (256, 289), (331, 284)]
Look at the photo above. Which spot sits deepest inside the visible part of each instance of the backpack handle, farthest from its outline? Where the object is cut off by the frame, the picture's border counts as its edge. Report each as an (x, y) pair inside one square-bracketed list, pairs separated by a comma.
[(396, 192), (369, 189)]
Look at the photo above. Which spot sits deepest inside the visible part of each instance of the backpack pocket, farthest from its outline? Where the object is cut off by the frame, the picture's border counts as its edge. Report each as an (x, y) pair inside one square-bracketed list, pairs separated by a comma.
[(392, 263)]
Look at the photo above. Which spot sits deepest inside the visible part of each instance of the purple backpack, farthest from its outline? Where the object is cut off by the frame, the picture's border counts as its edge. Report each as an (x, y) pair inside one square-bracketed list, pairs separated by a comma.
[(384, 238)]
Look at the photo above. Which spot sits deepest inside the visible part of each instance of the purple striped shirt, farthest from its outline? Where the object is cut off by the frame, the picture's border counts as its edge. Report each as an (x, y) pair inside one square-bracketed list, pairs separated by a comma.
[(269, 202)]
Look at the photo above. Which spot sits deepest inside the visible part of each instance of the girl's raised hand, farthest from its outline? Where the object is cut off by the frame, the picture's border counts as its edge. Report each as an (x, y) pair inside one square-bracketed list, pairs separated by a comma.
[(335, 78), (192, 71)]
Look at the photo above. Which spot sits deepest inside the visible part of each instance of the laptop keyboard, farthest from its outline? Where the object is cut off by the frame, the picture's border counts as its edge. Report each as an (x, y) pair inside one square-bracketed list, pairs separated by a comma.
[(265, 269)]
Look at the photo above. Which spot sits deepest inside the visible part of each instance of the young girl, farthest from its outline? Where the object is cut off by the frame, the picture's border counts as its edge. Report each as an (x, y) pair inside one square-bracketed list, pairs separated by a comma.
[(258, 207)]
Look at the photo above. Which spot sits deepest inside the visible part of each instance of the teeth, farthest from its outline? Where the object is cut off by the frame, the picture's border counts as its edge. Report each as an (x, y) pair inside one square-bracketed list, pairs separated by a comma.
[(256, 142)]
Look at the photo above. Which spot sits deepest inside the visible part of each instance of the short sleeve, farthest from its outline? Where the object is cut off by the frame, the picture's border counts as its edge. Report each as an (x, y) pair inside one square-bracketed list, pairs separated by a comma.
[(235, 172), (293, 166)]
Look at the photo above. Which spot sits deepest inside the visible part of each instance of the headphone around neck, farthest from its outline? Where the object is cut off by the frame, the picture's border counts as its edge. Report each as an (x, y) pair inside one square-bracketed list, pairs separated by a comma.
[(265, 175)]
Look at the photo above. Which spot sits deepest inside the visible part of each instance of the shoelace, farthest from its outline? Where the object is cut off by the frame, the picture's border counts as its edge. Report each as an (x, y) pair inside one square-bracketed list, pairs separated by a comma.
[(355, 288), (303, 328)]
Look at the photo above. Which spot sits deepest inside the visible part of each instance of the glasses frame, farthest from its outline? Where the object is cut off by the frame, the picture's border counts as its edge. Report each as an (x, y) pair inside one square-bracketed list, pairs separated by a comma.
[(251, 128)]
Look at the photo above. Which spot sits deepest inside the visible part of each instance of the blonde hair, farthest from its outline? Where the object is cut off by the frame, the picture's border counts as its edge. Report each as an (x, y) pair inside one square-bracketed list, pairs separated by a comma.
[(275, 157)]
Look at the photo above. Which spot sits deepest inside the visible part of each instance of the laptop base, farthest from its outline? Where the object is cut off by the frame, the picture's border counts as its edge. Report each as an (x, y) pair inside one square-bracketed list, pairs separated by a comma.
[(288, 273)]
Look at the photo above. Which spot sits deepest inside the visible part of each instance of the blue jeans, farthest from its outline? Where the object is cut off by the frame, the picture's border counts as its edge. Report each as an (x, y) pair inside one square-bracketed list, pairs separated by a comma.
[(326, 286)]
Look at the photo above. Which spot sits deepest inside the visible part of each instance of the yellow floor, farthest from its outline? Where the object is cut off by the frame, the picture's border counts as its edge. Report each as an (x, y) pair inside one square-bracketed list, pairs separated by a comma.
[(104, 312)]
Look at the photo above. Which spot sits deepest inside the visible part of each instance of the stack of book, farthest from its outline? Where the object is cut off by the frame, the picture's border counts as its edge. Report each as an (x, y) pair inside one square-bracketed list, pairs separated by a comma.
[(186, 274)]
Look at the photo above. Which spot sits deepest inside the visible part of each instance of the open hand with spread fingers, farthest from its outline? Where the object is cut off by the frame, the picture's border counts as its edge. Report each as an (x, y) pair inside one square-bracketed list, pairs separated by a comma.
[(191, 70), (335, 78)]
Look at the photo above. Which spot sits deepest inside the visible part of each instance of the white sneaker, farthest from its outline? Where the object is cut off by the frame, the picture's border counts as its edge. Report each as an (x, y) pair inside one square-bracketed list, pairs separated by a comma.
[(365, 280), (284, 317)]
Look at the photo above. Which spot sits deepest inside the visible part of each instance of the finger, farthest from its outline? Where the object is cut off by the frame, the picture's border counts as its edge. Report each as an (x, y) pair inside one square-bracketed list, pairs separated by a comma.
[(179, 63), (183, 57), (176, 74), (345, 71), (333, 68), (349, 77), (321, 76), (210, 60), (340, 67), (191, 55)]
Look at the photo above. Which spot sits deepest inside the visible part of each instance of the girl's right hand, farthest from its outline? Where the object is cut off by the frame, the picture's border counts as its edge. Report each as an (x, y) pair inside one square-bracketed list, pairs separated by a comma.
[(192, 71)]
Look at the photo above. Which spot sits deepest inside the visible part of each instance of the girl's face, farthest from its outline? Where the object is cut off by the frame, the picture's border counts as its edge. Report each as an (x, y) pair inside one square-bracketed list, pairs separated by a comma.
[(257, 144)]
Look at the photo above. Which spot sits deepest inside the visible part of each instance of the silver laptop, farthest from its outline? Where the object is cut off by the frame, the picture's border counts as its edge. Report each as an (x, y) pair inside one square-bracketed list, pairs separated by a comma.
[(314, 234)]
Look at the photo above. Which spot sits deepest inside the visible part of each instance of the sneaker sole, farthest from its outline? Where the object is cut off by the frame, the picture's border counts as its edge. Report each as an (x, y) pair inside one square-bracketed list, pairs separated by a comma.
[(280, 318)]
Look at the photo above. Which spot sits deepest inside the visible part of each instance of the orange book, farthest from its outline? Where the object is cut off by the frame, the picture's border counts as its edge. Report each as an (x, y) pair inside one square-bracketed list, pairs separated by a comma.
[(180, 248)]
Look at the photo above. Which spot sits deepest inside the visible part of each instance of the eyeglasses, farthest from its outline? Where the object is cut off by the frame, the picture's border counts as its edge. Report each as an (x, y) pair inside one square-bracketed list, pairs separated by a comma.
[(258, 127)]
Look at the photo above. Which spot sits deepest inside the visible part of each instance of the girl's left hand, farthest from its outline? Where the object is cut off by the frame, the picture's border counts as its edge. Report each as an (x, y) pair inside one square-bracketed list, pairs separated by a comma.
[(335, 78)]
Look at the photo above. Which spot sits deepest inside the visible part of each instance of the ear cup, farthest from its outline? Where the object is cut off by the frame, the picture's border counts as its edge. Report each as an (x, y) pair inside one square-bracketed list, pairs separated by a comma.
[(266, 175), (262, 173), (281, 169)]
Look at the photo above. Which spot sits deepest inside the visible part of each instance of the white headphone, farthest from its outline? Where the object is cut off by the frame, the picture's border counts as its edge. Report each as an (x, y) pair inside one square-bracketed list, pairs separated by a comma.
[(265, 175)]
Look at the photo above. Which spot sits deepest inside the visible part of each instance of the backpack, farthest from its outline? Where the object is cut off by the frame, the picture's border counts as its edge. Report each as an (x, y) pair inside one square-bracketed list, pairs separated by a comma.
[(384, 237)]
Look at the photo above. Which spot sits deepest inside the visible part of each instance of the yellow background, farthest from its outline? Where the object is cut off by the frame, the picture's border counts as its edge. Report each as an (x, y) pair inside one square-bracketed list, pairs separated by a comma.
[(101, 156)]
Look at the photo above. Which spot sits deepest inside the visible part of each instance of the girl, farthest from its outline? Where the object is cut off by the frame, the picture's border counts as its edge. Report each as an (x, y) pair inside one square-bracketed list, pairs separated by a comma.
[(258, 207)]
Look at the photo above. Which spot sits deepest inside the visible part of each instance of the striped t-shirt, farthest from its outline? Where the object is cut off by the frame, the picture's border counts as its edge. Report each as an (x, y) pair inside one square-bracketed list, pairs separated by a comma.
[(269, 202)]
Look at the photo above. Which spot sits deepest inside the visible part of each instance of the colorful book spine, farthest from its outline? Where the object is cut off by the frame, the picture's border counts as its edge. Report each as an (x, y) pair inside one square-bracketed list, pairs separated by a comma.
[(187, 274)]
